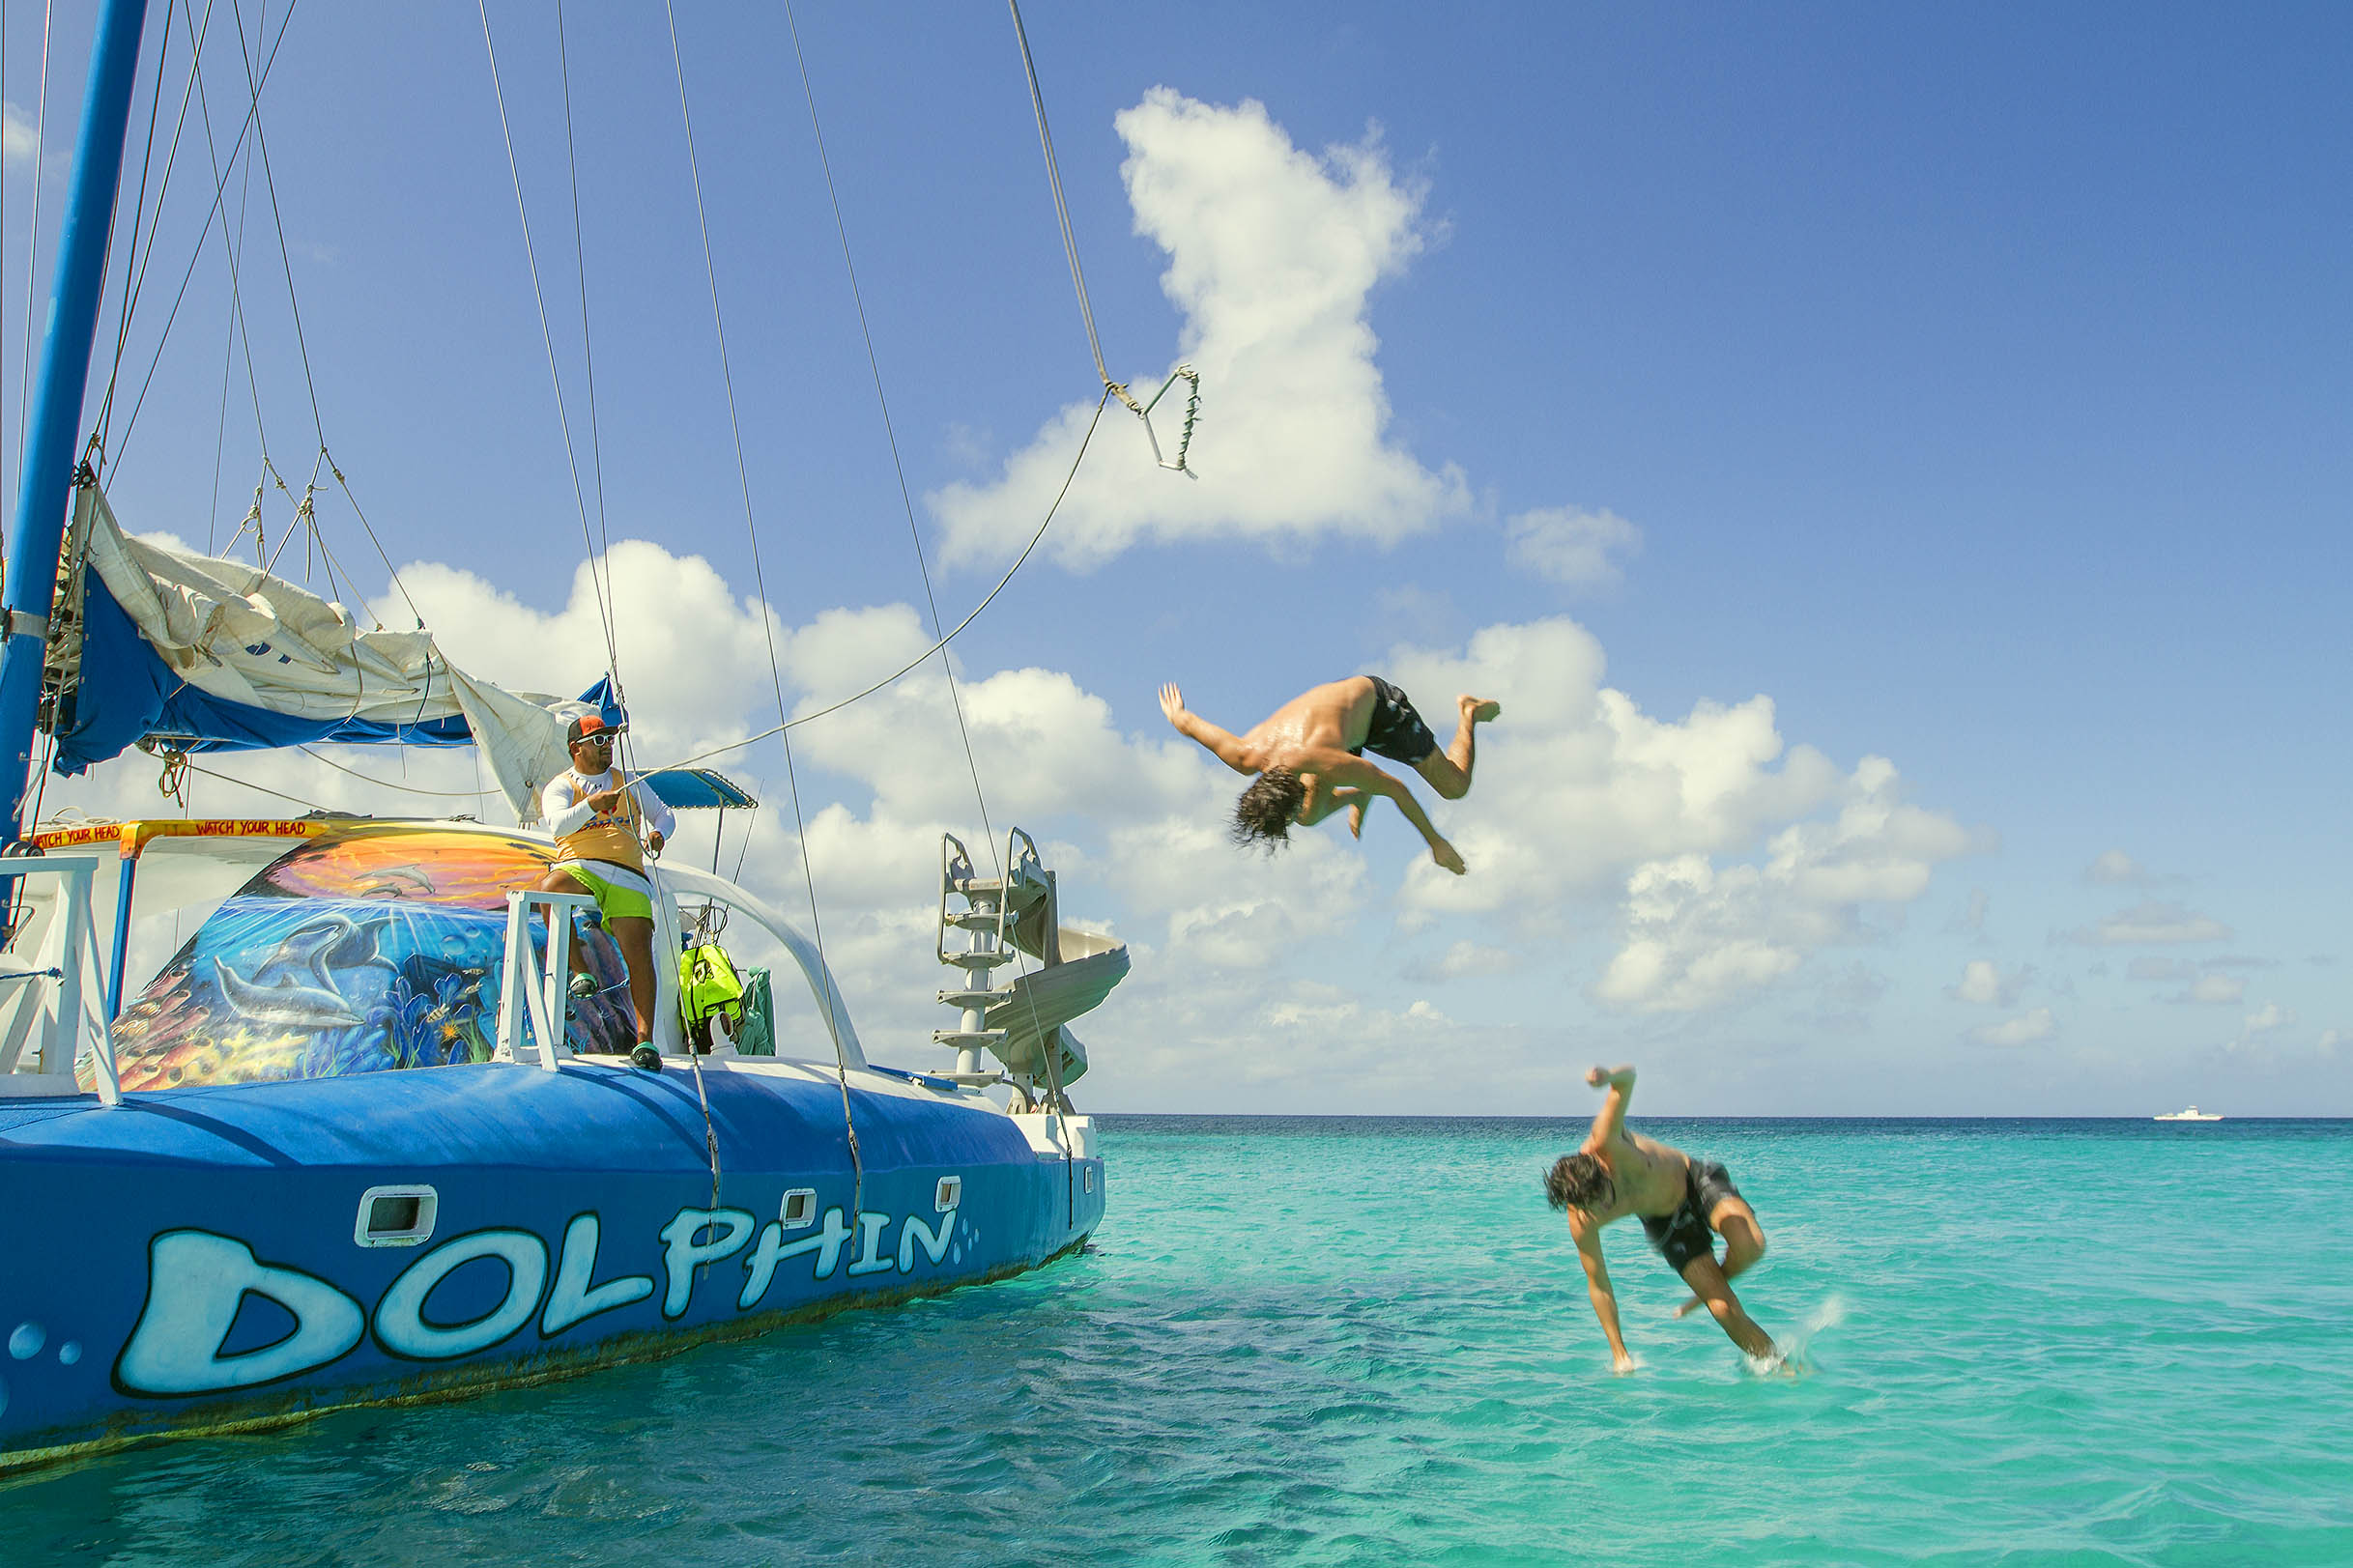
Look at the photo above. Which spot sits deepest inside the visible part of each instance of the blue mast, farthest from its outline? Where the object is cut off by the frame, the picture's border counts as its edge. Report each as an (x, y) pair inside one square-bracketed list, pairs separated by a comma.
[(76, 286)]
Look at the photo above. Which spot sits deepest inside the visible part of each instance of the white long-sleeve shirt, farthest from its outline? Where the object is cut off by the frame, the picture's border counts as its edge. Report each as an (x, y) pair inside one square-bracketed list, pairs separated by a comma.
[(614, 838)]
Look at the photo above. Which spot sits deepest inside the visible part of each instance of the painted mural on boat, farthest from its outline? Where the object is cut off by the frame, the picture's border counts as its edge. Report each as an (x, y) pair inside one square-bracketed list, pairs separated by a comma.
[(358, 951)]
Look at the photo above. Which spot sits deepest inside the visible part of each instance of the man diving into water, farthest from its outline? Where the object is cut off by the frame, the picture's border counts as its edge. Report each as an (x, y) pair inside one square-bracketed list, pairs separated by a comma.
[(1309, 756), (1679, 1201)]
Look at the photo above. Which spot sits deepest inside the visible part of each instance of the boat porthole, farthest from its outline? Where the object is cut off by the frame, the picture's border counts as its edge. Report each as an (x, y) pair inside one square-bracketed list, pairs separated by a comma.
[(951, 1193), (1090, 1178), (399, 1216), (798, 1209)]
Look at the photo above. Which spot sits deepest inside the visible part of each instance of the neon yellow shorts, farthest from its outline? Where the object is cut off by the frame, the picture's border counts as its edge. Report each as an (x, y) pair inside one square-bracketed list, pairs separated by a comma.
[(614, 900)]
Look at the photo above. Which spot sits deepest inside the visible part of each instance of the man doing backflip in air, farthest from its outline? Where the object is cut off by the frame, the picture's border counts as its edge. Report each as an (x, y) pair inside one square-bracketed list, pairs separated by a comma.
[(1679, 1201), (1309, 758)]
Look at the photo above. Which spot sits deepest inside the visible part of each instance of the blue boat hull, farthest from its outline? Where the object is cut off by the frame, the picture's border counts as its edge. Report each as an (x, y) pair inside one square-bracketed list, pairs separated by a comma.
[(208, 1258)]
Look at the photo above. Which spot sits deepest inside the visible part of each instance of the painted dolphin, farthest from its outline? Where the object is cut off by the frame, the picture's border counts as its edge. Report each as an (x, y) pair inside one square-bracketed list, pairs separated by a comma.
[(318, 949), (289, 1004)]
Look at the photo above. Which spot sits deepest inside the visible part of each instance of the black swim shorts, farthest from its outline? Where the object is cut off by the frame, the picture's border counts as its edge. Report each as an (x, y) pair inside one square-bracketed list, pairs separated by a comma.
[(1684, 1235), (1397, 731)]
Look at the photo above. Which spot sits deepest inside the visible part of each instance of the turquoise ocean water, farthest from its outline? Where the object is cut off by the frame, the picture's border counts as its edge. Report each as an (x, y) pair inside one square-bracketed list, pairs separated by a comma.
[(1358, 1340)]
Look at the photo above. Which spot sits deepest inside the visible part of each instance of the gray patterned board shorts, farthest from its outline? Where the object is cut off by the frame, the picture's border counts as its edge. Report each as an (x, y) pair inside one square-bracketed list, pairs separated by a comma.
[(1397, 731), (1684, 1235)]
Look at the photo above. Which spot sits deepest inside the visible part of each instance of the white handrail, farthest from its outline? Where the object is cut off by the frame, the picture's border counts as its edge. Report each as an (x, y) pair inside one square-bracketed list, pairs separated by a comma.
[(74, 943), (528, 988)]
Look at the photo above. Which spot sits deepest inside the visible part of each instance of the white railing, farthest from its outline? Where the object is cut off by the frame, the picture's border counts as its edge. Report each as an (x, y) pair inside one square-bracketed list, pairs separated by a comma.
[(69, 958), (541, 994)]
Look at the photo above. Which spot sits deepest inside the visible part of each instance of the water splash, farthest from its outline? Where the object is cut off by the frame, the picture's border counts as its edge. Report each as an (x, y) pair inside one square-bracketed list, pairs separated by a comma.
[(1791, 1351)]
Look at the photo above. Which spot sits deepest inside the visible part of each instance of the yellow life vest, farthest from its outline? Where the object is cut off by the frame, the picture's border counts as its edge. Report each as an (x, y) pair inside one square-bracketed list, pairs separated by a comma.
[(612, 836)]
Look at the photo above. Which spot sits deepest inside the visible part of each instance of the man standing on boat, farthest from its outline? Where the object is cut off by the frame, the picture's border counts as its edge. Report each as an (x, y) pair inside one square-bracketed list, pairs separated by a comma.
[(1678, 1200), (603, 825), (1309, 758)]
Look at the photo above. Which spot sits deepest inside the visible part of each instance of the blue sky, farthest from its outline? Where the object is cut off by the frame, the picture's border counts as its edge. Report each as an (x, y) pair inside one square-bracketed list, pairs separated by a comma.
[(1894, 466)]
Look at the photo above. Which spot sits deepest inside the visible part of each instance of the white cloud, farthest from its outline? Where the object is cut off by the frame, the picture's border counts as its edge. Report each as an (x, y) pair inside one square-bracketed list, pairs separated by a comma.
[(2152, 924), (2268, 1019), (1271, 255), (1572, 547), (1982, 984), (19, 142), (1583, 805), (679, 627), (1470, 961), (2027, 1029), (2269, 1016), (1579, 795), (2221, 989), (2113, 868), (2330, 1039)]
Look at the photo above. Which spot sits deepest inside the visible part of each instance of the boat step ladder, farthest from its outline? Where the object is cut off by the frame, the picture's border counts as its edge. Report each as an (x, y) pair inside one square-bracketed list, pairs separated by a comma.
[(992, 907)]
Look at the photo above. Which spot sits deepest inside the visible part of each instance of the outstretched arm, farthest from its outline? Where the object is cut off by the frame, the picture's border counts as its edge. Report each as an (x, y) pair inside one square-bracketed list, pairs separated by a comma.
[(1587, 1236), (1609, 1121), (1225, 744)]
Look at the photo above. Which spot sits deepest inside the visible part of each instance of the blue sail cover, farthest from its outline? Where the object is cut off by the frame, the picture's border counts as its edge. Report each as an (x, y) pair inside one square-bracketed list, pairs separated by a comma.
[(127, 694)]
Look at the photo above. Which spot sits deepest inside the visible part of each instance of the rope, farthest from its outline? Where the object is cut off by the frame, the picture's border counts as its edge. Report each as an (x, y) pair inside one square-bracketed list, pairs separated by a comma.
[(242, 783), (1062, 210), (219, 196), (132, 271), (604, 607), (261, 143), (907, 503), (387, 783), (766, 622), (859, 696), (587, 344), (710, 1132), (1086, 309)]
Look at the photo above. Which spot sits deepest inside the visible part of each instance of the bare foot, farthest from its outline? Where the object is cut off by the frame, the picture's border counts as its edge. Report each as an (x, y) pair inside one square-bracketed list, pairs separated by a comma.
[(1479, 711), (1443, 855), (1689, 1307), (1356, 822)]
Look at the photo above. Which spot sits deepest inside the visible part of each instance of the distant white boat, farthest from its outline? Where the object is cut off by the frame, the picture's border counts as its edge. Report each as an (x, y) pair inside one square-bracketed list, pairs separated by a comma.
[(2192, 1114)]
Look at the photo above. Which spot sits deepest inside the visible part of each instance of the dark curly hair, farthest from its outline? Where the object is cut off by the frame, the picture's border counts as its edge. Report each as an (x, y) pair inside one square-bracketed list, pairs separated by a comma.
[(1578, 1181), (1268, 807)]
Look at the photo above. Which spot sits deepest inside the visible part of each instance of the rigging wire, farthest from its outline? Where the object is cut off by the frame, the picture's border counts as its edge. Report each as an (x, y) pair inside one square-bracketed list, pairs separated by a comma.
[(219, 196), (943, 642), (767, 624), (243, 784), (404, 788), (1086, 309), (131, 270), (587, 342), (907, 503), (1062, 212), (261, 144), (596, 572), (874, 363)]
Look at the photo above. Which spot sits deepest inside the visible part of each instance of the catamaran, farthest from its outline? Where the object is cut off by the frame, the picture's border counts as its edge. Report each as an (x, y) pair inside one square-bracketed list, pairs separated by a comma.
[(371, 1133)]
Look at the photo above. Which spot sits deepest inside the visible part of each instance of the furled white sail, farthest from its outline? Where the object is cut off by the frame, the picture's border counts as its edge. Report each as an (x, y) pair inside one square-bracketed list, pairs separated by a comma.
[(227, 654)]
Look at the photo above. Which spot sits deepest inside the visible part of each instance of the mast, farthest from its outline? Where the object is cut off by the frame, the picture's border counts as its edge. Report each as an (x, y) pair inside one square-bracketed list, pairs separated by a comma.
[(76, 285)]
